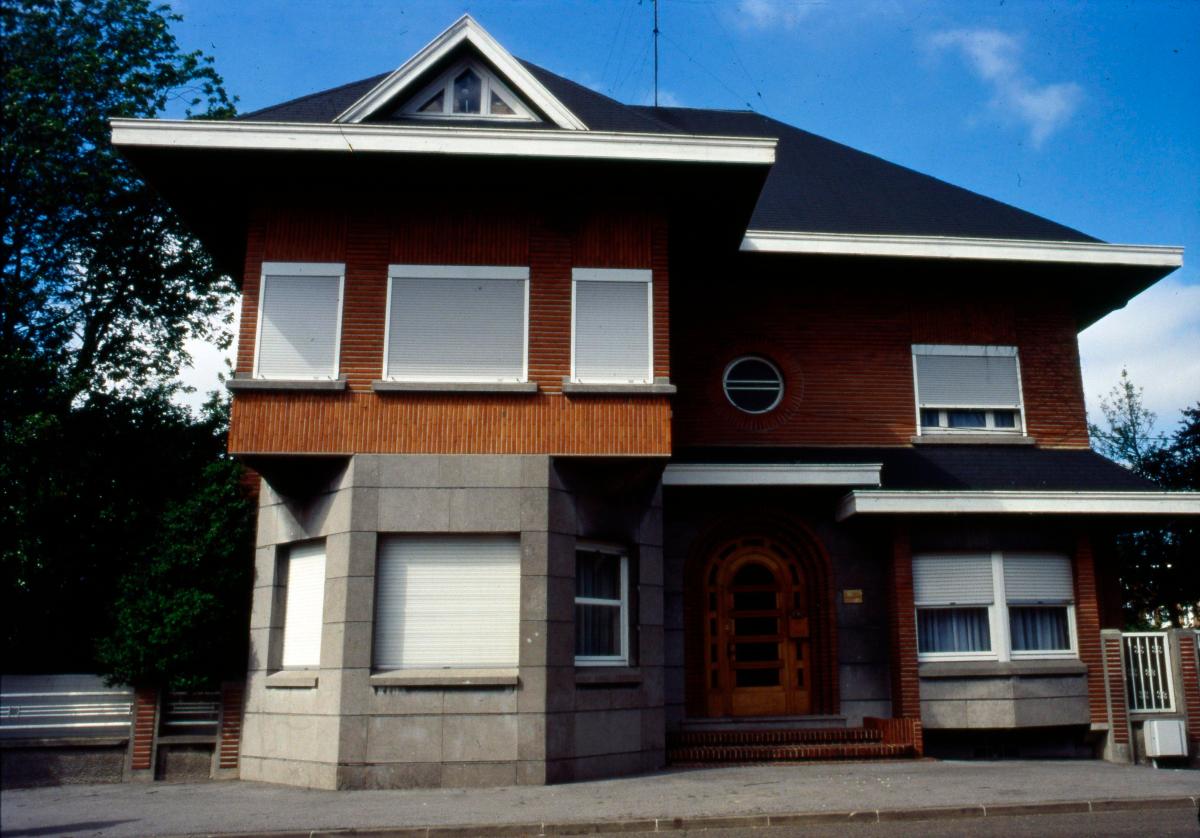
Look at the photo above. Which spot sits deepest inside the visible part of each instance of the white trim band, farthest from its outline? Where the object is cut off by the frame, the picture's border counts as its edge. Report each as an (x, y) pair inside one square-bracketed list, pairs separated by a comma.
[(772, 474), (510, 142), (938, 502), (945, 247)]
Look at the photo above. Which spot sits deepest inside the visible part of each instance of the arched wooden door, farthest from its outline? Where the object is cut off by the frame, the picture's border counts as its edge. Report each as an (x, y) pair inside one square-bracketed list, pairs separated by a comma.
[(756, 633)]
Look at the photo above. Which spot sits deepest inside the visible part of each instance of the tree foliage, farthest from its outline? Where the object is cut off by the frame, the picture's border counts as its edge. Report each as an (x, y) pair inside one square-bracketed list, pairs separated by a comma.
[(1159, 566), (103, 479)]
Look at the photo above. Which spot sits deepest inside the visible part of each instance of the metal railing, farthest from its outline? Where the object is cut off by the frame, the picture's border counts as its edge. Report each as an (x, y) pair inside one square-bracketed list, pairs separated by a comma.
[(190, 714), (1149, 675), (63, 706)]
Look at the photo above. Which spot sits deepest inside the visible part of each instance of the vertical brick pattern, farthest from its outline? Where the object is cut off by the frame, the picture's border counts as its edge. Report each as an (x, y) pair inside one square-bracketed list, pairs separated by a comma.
[(1189, 668), (1114, 675), (230, 738), (367, 240), (845, 352), (906, 685), (1087, 626), (145, 717)]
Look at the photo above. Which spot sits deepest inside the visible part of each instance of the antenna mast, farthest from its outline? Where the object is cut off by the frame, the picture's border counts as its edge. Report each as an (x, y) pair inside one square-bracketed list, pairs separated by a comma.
[(655, 4)]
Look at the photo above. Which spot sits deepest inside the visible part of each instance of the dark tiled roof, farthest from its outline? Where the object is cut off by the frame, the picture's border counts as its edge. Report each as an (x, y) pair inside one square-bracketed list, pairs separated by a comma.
[(963, 467), (816, 185)]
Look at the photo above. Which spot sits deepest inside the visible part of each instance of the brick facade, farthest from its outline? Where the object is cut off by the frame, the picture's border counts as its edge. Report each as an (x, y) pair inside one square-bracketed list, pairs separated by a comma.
[(906, 688), (1087, 627)]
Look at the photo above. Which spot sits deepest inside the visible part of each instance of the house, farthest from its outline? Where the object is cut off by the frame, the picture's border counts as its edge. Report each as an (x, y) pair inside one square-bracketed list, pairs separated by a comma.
[(594, 436)]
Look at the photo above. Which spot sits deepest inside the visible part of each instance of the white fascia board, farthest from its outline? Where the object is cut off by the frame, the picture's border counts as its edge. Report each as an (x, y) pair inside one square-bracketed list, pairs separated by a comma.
[(464, 29), (502, 142), (947, 247), (772, 474), (936, 502)]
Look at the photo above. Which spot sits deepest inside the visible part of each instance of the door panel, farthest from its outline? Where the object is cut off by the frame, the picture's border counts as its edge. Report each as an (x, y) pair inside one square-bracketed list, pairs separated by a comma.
[(756, 633)]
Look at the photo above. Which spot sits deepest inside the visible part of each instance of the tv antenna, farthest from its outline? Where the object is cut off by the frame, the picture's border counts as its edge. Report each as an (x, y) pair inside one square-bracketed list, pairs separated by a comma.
[(654, 3)]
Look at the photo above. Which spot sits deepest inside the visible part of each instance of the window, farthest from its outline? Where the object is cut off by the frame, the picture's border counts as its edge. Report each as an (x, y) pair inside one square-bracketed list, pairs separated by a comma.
[(447, 602), (753, 385), (456, 323), (299, 321), (612, 326), (994, 606), (303, 572), (601, 606), (469, 90), (968, 389)]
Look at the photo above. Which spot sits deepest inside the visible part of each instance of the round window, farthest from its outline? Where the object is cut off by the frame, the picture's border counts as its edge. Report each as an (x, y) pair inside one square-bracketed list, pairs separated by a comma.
[(754, 385)]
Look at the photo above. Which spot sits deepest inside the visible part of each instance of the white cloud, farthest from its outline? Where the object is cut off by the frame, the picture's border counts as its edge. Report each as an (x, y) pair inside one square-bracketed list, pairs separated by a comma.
[(1157, 338), (775, 14), (995, 57)]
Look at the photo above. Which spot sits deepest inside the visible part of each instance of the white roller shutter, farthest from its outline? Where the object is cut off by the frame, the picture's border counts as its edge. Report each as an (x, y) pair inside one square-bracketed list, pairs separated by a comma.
[(960, 579), (612, 326), (447, 601), (304, 609), (1030, 578), (968, 380), (457, 324), (299, 323)]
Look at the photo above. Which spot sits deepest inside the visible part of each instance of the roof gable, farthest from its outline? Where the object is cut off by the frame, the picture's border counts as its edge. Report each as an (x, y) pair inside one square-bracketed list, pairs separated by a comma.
[(464, 33)]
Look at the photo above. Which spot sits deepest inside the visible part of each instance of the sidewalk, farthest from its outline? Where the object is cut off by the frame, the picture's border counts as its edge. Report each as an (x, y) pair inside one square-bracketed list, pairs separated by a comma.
[(665, 801)]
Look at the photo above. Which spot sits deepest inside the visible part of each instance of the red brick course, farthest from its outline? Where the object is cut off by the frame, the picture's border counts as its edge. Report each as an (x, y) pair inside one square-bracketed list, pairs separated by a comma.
[(1191, 684), (145, 719), (906, 685), (1087, 627)]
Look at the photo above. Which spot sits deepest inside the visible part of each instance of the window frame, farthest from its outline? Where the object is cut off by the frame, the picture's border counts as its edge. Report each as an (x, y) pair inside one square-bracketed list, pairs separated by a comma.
[(622, 604), (508, 273), (644, 275), (283, 270), (488, 79), (943, 408), (999, 621)]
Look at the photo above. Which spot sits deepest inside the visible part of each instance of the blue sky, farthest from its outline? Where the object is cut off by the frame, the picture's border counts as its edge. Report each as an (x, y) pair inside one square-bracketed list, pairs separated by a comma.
[(1085, 112)]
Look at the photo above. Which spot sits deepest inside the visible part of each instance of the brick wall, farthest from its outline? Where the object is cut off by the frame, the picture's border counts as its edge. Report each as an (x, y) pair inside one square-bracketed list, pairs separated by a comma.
[(843, 343), (906, 688), (1087, 627), (1190, 688), (367, 241)]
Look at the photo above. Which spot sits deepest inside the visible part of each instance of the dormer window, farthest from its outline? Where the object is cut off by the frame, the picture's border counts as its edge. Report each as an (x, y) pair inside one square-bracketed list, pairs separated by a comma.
[(469, 91)]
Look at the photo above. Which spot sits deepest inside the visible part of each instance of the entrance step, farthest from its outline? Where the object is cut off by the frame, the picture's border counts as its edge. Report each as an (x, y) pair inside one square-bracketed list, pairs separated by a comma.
[(700, 742), (777, 737), (787, 753), (765, 723)]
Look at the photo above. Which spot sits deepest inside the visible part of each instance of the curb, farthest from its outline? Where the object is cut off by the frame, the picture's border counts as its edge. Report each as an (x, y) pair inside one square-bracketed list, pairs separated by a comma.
[(644, 825)]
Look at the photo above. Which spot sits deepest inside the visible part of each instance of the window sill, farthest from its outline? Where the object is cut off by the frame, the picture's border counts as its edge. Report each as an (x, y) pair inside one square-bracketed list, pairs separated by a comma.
[(446, 678), (454, 386), (236, 383), (1001, 669), (586, 675), (972, 439), (660, 387), (292, 679)]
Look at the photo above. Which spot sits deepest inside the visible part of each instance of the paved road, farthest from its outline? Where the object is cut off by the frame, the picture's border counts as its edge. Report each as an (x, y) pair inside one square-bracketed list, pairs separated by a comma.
[(1176, 823)]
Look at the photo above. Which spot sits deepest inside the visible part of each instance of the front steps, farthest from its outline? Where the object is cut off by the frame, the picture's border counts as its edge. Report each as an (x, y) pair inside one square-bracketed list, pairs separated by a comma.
[(742, 741)]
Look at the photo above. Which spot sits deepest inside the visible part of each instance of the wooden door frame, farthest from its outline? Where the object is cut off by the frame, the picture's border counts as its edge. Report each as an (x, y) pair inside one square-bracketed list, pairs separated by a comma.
[(794, 541)]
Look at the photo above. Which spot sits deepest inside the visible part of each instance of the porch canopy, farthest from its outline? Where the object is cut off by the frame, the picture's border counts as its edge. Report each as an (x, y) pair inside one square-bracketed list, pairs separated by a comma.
[(941, 479)]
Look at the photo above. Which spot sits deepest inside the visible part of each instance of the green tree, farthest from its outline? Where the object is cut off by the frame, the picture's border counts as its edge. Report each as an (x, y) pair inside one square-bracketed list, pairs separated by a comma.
[(102, 285), (1160, 577)]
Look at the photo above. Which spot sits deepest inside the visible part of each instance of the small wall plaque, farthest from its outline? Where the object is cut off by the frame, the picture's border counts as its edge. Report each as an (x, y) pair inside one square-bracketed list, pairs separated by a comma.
[(852, 595)]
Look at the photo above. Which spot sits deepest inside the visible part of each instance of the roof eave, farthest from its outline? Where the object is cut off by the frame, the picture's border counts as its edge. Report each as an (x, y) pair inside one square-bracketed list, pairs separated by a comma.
[(950, 247), (1008, 502)]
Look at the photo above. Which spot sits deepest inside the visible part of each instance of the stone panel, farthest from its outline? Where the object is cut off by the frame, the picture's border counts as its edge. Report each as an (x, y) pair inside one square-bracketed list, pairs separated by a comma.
[(608, 732), (404, 739), (490, 738)]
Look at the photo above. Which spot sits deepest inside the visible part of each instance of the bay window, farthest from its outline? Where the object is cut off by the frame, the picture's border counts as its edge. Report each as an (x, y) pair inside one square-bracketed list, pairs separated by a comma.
[(611, 326), (993, 606), (299, 321), (967, 389), (467, 323), (601, 606)]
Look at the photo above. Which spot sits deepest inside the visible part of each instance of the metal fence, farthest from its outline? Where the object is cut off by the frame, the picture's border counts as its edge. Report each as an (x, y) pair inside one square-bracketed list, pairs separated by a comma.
[(63, 706), (1148, 672)]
